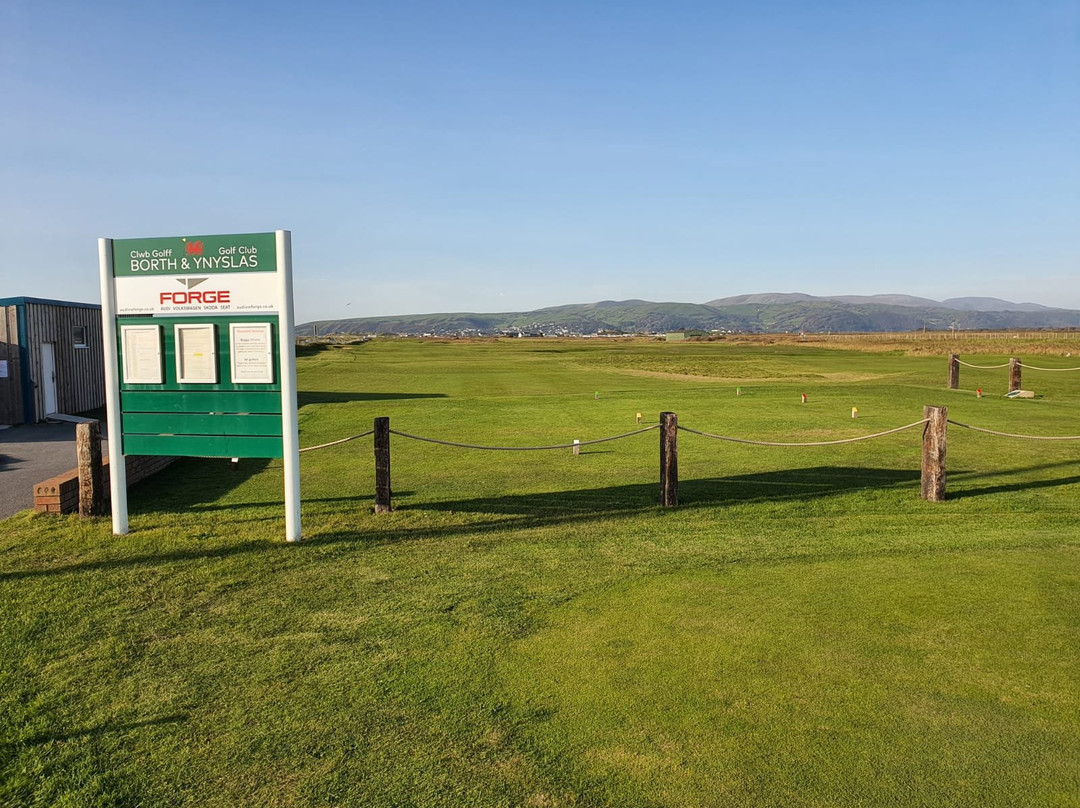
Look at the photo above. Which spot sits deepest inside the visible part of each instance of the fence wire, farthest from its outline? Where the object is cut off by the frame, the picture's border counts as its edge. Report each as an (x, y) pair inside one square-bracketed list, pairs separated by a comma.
[(1048, 370), (1024, 365), (522, 448), (1011, 435), (981, 367), (812, 443), (336, 442), (690, 430)]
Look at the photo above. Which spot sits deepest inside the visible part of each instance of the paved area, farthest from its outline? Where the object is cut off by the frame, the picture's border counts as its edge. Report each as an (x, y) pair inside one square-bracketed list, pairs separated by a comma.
[(29, 454)]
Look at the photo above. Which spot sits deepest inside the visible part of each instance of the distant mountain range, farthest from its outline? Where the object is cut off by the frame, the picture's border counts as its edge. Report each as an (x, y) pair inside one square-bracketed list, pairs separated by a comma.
[(759, 313)]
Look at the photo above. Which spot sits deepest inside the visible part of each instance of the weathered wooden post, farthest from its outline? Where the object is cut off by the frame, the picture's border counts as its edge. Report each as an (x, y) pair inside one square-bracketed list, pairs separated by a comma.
[(88, 455), (933, 453), (954, 371), (669, 459), (382, 465), (1014, 374)]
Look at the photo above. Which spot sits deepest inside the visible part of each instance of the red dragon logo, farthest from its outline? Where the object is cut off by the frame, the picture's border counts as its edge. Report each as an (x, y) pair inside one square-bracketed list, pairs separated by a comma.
[(194, 248)]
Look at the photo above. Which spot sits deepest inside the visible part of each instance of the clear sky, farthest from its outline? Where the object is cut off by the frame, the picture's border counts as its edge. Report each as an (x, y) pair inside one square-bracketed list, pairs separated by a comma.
[(503, 156)]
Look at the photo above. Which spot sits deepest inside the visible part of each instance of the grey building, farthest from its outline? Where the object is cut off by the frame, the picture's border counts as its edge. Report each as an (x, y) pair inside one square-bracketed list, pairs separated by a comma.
[(51, 359)]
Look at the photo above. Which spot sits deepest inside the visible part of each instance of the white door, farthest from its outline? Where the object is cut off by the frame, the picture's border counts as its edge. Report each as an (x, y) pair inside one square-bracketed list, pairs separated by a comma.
[(48, 377)]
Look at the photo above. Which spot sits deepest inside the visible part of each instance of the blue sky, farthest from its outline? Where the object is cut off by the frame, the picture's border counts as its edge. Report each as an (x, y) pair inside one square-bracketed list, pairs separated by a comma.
[(505, 156)]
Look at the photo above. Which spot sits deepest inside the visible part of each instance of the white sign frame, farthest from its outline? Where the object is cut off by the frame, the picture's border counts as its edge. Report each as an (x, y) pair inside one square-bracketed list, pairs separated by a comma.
[(184, 361), (245, 375), (290, 438), (128, 337)]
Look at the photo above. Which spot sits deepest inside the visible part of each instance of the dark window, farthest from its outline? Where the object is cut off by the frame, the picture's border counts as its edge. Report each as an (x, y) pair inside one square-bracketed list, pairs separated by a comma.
[(78, 334)]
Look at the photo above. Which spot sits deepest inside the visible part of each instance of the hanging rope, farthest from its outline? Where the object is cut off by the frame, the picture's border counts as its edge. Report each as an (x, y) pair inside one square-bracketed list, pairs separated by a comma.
[(1022, 364), (522, 448), (1011, 435), (1049, 370), (336, 442), (814, 443), (983, 367)]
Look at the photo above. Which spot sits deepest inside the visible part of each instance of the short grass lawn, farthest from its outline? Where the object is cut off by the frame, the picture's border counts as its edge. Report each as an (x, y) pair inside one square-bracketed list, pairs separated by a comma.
[(532, 629)]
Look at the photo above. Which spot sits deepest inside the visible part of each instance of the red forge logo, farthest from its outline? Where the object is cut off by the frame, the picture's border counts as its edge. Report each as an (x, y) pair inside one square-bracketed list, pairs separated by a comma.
[(193, 248), (208, 296)]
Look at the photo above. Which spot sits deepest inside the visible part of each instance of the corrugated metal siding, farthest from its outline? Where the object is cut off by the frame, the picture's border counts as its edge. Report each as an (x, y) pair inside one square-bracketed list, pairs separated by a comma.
[(11, 396), (80, 372)]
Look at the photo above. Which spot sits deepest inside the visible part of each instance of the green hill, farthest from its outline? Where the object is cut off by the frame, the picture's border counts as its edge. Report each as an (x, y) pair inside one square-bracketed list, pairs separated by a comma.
[(748, 313)]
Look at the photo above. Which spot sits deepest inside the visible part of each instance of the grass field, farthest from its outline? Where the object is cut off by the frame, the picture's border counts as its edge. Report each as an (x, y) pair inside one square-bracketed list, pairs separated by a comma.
[(530, 629)]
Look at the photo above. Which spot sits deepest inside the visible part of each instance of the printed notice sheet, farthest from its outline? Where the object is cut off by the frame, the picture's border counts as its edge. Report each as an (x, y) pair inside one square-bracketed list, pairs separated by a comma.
[(251, 352), (196, 354), (142, 354)]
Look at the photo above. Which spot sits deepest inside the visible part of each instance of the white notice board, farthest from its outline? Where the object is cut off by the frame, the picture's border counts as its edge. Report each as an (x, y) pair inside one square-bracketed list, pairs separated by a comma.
[(196, 353), (142, 354), (251, 353)]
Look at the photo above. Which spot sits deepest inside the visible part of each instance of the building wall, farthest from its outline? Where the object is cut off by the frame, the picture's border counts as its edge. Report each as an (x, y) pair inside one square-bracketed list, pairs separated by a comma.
[(80, 371), (11, 391), (27, 323)]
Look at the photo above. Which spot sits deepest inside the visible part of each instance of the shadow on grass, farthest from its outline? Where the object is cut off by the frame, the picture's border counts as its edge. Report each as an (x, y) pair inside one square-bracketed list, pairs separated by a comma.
[(512, 511), (355, 502), (795, 484), (515, 512), (1009, 487), (314, 349), (192, 480), (305, 397), (104, 729)]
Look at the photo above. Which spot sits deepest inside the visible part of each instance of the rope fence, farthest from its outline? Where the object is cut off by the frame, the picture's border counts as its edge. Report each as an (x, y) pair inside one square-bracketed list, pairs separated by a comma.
[(338, 442), (1011, 435), (1006, 364), (934, 425), (523, 448), (982, 367), (1049, 370), (1015, 366), (811, 443)]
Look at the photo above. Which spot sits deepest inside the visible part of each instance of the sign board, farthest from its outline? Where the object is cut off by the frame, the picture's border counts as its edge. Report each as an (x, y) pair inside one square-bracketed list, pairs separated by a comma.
[(251, 353), (141, 348), (203, 332), (196, 275), (196, 356)]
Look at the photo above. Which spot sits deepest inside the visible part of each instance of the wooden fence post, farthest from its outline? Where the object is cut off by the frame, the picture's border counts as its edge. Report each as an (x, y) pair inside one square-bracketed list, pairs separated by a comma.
[(669, 459), (382, 465), (933, 453), (954, 371), (88, 455), (1014, 374)]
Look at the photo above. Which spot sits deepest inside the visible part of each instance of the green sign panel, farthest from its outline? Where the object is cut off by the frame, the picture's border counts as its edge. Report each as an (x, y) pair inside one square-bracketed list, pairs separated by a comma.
[(221, 415), (186, 255)]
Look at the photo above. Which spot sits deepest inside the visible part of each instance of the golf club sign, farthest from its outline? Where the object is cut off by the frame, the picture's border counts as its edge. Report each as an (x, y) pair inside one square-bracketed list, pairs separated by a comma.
[(199, 353)]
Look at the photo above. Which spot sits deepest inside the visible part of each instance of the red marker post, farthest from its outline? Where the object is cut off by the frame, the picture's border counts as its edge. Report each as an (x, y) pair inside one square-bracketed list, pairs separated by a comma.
[(804, 398)]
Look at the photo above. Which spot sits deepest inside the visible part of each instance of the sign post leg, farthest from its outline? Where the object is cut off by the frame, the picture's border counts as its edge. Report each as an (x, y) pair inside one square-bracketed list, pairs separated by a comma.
[(287, 350), (117, 466)]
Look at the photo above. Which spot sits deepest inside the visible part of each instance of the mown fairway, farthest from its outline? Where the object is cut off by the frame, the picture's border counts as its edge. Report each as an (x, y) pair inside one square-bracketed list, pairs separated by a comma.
[(530, 629)]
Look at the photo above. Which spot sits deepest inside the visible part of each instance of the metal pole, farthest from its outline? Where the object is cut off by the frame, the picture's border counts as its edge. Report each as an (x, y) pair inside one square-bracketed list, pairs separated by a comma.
[(117, 466), (290, 437)]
